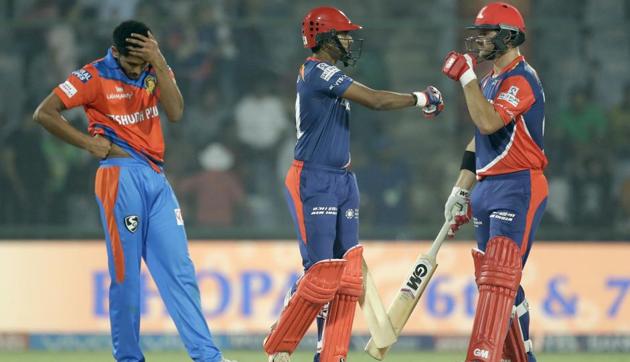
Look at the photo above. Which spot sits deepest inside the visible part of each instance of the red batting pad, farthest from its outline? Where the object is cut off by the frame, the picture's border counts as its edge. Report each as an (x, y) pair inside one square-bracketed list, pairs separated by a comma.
[(499, 277), (514, 347), (338, 327), (316, 288)]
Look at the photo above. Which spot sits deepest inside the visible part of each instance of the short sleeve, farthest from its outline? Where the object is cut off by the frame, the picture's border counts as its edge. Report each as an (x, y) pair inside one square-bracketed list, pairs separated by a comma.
[(514, 98), (79, 89), (330, 80)]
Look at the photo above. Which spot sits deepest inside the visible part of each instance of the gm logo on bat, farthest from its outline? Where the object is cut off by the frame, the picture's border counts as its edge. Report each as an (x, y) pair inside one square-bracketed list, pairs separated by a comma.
[(415, 279)]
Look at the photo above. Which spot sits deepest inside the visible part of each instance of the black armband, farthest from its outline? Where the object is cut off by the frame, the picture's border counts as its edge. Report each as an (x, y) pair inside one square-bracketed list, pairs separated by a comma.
[(468, 162)]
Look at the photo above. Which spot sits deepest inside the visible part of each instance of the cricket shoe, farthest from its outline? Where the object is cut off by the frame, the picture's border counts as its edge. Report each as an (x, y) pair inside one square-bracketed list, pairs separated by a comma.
[(280, 357)]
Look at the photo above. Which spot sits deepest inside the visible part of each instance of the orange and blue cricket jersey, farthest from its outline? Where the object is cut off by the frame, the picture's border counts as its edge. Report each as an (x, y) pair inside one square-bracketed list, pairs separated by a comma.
[(511, 195), (139, 211), (321, 192)]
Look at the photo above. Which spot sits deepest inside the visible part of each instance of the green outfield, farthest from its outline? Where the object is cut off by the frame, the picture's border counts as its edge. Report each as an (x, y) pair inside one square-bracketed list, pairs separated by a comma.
[(248, 356)]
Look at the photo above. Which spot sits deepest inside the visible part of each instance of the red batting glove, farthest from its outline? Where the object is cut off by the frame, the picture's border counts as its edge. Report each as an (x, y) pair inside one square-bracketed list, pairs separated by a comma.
[(460, 67)]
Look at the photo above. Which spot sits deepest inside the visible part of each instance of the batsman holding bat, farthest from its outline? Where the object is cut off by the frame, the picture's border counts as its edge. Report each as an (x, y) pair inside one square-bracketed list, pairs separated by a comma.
[(321, 191), (507, 158)]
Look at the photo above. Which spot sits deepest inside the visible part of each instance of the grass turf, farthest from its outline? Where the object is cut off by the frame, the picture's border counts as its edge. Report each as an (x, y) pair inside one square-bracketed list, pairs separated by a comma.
[(248, 356)]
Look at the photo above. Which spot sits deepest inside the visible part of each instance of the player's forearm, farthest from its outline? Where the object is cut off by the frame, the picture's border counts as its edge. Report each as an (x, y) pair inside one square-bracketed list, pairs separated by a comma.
[(481, 111), (171, 98), (466, 179), (386, 100), (56, 124)]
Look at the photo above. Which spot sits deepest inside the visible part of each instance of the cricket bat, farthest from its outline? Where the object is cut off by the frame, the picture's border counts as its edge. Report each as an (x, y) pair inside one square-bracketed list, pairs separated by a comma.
[(410, 292), (380, 327)]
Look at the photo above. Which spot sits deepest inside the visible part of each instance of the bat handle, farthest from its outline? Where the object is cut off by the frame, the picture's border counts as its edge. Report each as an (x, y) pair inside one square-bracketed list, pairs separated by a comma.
[(439, 239)]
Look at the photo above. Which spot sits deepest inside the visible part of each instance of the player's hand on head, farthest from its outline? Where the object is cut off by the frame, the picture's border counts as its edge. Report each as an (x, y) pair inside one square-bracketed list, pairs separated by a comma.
[(460, 67), (457, 210), (434, 104), (99, 147), (145, 47)]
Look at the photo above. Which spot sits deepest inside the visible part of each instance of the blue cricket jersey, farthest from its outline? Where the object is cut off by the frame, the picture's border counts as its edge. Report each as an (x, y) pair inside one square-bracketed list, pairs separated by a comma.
[(322, 117)]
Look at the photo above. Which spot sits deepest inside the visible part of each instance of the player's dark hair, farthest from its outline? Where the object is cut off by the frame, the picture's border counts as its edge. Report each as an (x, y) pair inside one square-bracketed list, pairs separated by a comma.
[(124, 31)]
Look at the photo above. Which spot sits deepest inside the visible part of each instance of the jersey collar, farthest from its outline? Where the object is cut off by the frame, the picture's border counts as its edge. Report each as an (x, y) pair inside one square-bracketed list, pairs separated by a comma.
[(510, 66), (110, 61), (313, 59)]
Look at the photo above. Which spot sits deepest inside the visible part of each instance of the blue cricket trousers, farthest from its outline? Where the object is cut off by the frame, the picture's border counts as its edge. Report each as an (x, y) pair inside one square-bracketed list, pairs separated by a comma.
[(324, 204), (142, 220), (511, 205)]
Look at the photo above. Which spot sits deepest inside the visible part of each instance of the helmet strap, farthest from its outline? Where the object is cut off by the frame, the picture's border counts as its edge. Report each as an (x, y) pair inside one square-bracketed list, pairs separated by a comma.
[(345, 56)]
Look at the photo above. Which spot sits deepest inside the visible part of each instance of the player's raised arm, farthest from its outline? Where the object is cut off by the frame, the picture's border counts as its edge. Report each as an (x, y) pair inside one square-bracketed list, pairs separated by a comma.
[(460, 67), (147, 48), (48, 114), (430, 99)]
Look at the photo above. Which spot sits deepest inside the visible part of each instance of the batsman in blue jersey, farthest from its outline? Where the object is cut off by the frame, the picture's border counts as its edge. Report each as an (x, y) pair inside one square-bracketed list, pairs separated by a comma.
[(321, 191)]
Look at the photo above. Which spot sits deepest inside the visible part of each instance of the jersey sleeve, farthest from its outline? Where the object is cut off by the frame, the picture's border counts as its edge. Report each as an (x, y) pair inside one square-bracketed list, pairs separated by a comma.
[(514, 98), (79, 89), (330, 80)]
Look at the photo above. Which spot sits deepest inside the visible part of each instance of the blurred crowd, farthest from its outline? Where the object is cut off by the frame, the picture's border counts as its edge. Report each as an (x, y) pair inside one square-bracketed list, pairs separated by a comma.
[(236, 63)]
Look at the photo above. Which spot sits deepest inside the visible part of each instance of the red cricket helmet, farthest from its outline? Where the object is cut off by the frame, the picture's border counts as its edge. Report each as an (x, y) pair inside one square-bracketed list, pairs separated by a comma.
[(499, 15), (503, 18), (323, 20)]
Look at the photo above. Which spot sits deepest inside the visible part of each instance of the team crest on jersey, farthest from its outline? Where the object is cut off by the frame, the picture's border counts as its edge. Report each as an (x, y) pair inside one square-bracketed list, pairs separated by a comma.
[(149, 84), (510, 96), (352, 214), (131, 223), (83, 75)]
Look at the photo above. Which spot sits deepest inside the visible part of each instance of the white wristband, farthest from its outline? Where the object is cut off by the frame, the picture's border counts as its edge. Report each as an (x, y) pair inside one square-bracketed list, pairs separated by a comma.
[(421, 99), (467, 77)]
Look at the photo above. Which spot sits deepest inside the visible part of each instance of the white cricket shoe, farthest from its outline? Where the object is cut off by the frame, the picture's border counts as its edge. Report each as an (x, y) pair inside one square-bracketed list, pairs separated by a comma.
[(280, 357)]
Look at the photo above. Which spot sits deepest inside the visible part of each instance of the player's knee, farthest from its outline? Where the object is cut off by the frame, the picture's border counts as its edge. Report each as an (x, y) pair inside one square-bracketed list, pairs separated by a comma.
[(501, 264), (352, 277), (321, 281)]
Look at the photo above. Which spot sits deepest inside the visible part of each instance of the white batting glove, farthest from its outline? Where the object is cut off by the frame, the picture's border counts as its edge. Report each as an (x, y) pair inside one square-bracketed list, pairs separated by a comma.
[(457, 209)]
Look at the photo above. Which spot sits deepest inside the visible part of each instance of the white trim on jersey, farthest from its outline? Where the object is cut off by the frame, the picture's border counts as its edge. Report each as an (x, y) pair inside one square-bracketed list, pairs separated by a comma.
[(504, 153), (298, 121), (529, 134)]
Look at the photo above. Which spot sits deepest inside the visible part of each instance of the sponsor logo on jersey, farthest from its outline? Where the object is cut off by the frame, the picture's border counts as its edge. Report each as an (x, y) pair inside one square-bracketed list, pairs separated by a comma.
[(149, 84), (131, 223), (338, 82), (510, 96), (83, 75), (327, 71), (178, 217), (136, 117), (68, 89), (113, 96)]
